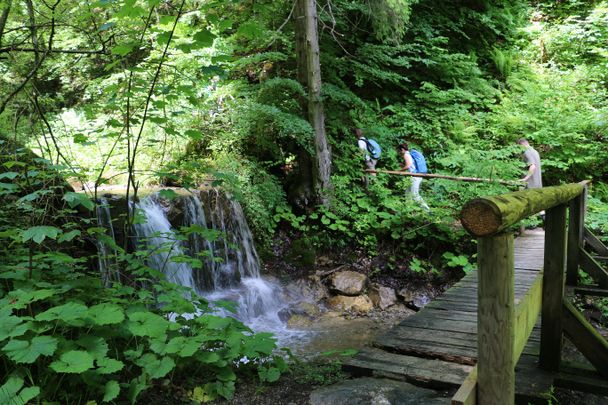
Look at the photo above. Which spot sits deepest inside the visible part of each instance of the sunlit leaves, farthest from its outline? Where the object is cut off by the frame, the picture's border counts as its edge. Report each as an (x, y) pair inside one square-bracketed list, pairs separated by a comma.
[(76, 199), (39, 233)]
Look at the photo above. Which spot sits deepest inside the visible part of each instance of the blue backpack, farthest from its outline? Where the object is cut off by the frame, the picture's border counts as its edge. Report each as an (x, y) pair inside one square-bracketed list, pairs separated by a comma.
[(419, 161), (373, 148)]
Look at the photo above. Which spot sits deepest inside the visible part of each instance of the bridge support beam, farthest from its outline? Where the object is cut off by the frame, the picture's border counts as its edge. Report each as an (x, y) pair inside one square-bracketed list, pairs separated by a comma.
[(553, 288), (496, 320)]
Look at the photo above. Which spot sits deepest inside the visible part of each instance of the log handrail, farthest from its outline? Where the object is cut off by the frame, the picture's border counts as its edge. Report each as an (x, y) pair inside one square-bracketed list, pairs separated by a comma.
[(487, 216)]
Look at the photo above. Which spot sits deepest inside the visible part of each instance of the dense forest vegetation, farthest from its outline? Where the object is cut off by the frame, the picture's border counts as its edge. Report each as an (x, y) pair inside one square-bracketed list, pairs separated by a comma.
[(178, 93)]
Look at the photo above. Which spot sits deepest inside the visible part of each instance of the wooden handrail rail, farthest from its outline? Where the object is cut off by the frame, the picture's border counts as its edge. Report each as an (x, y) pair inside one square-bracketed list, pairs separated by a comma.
[(489, 215)]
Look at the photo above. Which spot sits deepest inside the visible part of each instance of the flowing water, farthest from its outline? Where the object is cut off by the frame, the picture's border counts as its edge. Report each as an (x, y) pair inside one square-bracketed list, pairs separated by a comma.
[(106, 254), (223, 242)]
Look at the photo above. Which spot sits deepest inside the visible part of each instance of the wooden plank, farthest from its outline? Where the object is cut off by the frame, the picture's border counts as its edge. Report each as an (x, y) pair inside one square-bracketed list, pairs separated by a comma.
[(595, 243), (553, 288), (451, 353), (526, 316), (467, 393), (574, 377), (496, 319), (586, 339), (576, 224), (590, 290), (432, 373), (593, 268)]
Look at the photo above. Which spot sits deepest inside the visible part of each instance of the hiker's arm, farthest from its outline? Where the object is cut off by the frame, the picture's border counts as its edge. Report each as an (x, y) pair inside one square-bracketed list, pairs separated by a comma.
[(531, 170), (408, 162)]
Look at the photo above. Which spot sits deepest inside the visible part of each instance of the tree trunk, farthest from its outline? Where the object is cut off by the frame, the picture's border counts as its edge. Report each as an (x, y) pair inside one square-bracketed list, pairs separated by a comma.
[(4, 18), (316, 116)]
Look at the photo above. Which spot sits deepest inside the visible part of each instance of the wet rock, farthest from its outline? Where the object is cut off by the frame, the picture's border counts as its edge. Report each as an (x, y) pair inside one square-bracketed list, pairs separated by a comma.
[(299, 321), (360, 303), (309, 308), (348, 282), (382, 297), (368, 390), (312, 289)]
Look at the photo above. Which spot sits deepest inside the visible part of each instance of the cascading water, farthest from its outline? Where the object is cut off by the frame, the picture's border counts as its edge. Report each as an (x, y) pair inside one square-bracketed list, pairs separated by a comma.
[(155, 231), (223, 242)]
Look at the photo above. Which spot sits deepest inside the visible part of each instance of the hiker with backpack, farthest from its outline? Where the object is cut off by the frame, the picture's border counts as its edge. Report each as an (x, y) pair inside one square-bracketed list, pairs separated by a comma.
[(414, 162), (370, 148)]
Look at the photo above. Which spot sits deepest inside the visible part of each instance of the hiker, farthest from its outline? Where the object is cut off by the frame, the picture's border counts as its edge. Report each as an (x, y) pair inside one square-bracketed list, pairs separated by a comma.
[(370, 148), (534, 177), (413, 162)]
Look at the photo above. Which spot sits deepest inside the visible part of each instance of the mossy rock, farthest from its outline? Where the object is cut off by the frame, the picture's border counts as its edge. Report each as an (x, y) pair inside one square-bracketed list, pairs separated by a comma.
[(302, 253)]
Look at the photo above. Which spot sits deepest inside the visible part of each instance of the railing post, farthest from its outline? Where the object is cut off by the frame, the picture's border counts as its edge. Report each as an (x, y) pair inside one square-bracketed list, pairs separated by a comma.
[(576, 224), (553, 288), (496, 320)]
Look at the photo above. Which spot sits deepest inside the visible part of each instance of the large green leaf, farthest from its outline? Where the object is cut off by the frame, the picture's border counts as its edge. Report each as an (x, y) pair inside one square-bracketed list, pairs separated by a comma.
[(147, 324), (106, 314), (39, 233), (109, 366), (12, 326), (12, 394), (110, 391), (71, 313), (155, 367), (76, 199), (27, 351), (96, 346), (74, 361), (183, 346)]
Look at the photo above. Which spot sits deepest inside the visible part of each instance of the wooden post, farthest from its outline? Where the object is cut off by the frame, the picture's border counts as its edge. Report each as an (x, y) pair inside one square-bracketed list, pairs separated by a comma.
[(553, 288), (495, 320), (576, 224)]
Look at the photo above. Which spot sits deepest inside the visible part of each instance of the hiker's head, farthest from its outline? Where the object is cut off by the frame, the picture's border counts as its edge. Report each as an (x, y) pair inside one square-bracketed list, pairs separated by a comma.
[(523, 142), (403, 147), (358, 132)]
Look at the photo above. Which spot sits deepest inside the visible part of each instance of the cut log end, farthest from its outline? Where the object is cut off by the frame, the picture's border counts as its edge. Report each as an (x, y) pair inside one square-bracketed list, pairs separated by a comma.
[(480, 218)]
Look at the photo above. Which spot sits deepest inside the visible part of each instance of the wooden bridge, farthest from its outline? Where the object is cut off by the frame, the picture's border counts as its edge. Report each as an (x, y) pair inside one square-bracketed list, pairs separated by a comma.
[(496, 336)]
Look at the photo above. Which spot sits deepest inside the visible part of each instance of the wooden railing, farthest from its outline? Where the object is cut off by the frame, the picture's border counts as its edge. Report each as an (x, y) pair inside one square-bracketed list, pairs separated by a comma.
[(503, 328)]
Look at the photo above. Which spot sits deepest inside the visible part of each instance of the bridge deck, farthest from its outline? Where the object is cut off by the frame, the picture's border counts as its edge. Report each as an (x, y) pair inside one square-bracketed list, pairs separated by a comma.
[(437, 347)]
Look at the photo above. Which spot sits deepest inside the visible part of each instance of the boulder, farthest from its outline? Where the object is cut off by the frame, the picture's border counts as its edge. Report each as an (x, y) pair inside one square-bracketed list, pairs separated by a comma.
[(360, 303), (299, 321), (367, 390), (348, 282), (382, 297)]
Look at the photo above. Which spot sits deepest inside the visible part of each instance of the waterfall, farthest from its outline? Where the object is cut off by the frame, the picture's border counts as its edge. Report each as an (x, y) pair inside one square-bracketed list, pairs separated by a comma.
[(224, 244), (106, 253), (156, 233)]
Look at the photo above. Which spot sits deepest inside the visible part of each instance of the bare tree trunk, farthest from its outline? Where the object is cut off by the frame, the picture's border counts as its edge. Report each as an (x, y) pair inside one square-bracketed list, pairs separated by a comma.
[(316, 116)]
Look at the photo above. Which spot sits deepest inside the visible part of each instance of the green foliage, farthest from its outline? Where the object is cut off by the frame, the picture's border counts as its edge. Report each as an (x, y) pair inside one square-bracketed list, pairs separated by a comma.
[(77, 340)]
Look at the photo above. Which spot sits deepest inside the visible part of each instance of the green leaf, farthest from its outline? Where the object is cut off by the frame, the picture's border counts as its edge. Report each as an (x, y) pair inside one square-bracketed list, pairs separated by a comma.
[(110, 391), (105, 314), (147, 324), (95, 346), (75, 199), (71, 313), (109, 366), (12, 394), (250, 30), (122, 49), (270, 374), (39, 233), (155, 367), (168, 194), (74, 361), (8, 175), (203, 38), (24, 351), (66, 237), (194, 134)]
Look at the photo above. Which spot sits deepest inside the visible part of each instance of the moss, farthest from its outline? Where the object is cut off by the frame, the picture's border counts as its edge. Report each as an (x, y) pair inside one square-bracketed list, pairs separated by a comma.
[(302, 253)]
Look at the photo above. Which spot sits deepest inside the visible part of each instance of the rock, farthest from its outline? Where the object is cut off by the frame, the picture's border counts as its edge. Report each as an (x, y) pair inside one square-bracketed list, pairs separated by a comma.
[(413, 300), (367, 390), (311, 289), (382, 297), (360, 303), (299, 321), (309, 309), (348, 282)]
